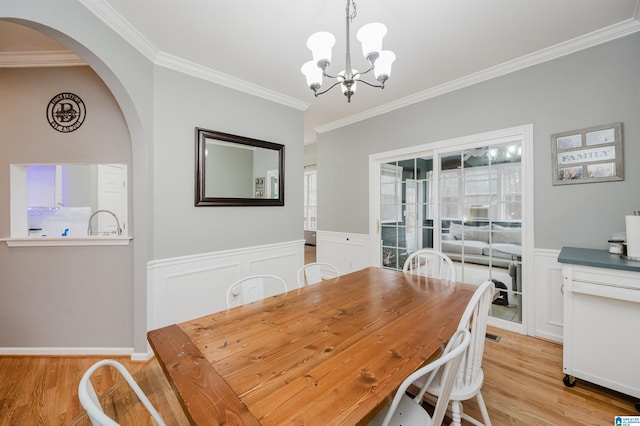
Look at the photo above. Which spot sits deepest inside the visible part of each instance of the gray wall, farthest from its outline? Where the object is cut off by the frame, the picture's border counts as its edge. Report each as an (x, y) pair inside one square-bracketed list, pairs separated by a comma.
[(61, 296), (46, 300), (588, 88), (181, 229), (128, 74)]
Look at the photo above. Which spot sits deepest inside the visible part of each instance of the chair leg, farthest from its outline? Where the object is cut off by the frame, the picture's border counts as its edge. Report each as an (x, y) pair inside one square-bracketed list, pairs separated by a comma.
[(456, 413), (483, 409)]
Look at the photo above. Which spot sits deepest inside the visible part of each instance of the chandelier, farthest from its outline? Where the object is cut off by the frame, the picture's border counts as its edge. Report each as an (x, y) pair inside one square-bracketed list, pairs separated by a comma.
[(370, 36)]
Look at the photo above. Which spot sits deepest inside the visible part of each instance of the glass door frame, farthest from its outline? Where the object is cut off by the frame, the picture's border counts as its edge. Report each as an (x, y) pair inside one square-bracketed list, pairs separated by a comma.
[(434, 149)]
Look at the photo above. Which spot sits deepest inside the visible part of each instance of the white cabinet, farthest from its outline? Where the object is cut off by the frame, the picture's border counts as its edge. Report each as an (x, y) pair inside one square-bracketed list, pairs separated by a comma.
[(601, 319)]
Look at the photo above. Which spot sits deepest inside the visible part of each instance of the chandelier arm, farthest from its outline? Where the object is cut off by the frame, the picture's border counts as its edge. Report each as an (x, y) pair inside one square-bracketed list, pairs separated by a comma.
[(356, 75), (326, 90), (332, 76), (371, 84)]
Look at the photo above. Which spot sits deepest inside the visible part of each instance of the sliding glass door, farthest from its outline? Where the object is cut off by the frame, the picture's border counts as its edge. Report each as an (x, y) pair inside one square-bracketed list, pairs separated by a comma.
[(406, 209), (481, 220), (465, 202)]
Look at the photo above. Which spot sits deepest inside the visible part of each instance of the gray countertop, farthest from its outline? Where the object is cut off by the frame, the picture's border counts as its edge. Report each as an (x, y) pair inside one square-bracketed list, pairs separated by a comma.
[(596, 258)]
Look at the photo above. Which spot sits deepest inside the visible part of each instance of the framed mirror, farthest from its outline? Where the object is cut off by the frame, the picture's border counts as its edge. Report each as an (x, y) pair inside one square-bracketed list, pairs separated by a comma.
[(238, 171)]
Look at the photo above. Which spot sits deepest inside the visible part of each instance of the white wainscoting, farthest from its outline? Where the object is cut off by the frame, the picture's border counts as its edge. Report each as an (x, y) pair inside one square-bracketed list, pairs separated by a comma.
[(348, 252), (548, 298), (184, 288)]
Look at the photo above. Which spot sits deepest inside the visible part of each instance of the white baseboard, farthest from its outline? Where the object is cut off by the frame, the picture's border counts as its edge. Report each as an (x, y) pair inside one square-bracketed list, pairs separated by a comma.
[(97, 352), (68, 351), (142, 356)]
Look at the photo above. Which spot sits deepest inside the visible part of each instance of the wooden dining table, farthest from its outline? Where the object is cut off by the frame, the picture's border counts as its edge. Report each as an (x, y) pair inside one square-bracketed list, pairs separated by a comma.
[(327, 354)]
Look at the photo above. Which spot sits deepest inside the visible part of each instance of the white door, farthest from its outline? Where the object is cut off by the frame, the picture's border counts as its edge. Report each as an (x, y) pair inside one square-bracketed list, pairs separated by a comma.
[(112, 196)]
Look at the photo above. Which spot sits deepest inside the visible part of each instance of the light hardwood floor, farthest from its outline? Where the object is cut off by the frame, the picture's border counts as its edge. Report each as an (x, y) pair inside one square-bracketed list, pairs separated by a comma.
[(309, 254), (523, 386)]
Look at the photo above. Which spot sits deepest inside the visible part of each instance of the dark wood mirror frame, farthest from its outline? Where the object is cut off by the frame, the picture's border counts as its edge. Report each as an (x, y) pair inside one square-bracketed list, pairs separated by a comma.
[(202, 198)]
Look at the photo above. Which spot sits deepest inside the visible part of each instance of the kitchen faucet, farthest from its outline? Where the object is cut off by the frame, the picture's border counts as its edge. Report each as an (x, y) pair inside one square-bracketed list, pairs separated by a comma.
[(119, 230)]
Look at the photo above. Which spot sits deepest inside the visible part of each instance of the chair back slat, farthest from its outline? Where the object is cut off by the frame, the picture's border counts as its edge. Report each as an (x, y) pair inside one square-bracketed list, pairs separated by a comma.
[(475, 319), (430, 263), (253, 288), (312, 273), (444, 367)]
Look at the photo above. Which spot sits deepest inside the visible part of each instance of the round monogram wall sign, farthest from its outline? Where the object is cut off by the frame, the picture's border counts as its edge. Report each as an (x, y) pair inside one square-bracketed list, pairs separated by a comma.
[(66, 112)]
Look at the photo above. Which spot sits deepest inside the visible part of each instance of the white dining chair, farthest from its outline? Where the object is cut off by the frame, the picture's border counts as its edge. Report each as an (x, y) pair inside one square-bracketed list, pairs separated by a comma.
[(312, 273), (89, 398), (470, 376), (407, 411), (430, 263), (254, 288)]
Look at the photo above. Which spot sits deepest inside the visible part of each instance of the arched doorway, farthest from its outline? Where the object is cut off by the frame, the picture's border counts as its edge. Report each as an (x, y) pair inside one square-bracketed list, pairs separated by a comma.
[(75, 285)]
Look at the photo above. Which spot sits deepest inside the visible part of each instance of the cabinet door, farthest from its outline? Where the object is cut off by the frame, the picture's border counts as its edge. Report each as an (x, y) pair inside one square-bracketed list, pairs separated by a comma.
[(601, 319)]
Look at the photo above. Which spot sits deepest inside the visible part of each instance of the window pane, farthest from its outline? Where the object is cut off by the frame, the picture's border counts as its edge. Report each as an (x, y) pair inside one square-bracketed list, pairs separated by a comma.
[(313, 218)]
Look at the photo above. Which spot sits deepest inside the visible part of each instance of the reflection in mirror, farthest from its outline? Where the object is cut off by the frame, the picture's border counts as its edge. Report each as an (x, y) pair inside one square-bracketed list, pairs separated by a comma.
[(237, 171)]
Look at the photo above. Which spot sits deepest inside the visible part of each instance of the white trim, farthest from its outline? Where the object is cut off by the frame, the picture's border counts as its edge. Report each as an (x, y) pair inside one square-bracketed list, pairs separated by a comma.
[(66, 241), (121, 26), (583, 42), (32, 59), (67, 351), (190, 68), (528, 242), (128, 32), (142, 356), (204, 257), (456, 143)]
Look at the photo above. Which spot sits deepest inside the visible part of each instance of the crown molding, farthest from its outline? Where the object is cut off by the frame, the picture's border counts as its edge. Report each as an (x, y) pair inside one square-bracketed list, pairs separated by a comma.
[(183, 66), (32, 59), (122, 27), (577, 44)]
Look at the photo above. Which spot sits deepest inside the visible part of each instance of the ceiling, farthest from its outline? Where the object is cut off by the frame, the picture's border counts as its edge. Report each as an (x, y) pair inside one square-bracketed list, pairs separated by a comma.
[(440, 45)]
